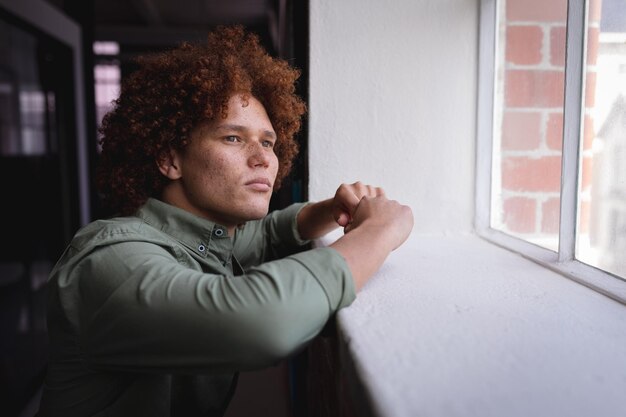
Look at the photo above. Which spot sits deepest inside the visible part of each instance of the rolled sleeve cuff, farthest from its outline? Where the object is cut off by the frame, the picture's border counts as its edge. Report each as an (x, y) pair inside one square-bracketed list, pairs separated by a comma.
[(331, 271), (287, 224)]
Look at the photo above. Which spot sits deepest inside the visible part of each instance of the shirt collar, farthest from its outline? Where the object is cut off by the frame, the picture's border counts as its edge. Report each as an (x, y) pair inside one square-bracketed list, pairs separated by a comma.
[(198, 234)]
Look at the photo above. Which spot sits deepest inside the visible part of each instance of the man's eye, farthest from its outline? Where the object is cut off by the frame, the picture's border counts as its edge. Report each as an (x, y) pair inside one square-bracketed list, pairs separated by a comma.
[(268, 144), (232, 139)]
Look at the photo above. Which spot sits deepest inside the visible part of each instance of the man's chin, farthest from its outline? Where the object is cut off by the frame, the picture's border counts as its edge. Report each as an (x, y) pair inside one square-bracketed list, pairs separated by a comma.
[(259, 214), (255, 209), (255, 213)]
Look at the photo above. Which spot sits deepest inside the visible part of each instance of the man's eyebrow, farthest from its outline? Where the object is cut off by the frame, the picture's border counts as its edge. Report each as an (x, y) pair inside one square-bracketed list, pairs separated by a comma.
[(239, 128)]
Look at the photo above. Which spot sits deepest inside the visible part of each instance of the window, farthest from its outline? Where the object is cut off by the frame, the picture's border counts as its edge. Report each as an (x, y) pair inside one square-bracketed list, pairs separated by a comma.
[(552, 135), (601, 233), (107, 78), (40, 141), (529, 93)]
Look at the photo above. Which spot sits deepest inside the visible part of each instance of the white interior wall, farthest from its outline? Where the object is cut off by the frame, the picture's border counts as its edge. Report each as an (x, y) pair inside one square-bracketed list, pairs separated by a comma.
[(393, 103)]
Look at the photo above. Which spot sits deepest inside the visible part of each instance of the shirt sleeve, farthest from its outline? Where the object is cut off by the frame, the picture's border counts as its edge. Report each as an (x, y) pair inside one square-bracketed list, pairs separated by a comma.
[(143, 311), (273, 237)]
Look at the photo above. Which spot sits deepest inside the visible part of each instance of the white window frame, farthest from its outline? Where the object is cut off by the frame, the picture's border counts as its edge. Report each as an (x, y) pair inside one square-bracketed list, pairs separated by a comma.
[(563, 261)]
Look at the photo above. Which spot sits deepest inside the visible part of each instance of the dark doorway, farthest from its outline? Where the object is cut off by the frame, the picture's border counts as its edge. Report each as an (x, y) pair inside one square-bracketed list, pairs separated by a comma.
[(40, 211)]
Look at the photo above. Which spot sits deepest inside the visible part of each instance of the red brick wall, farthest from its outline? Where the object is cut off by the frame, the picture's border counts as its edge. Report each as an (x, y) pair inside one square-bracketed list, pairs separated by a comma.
[(593, 34), (531, 123)]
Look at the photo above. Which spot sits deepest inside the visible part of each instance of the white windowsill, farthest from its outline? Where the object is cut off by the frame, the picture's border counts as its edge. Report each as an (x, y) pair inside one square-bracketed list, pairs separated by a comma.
[(457, 326)]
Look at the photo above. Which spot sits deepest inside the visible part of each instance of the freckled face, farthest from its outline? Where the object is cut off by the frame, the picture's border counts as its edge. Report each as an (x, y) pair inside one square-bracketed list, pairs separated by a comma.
[(229, 167)]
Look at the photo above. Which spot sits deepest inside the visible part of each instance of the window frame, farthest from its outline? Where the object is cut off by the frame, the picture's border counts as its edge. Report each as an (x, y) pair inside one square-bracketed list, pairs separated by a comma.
[(564, 261)]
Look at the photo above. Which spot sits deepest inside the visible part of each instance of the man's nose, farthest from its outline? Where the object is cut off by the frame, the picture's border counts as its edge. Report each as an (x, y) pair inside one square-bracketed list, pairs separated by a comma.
[(258, 155)]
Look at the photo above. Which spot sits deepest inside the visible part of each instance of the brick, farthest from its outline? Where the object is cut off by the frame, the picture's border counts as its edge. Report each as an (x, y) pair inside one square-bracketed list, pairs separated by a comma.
[(554, 131), (532, 174), (595, 10), (550, 215), (557, 46), (593, 42), (523, 45), (536, 10), (519, 214), (532, 88), (590, 89), (521, 131)]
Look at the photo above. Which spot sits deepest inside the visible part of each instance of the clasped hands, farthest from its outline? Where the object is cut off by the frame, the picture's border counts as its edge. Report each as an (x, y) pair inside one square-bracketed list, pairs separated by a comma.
[(359, 204)]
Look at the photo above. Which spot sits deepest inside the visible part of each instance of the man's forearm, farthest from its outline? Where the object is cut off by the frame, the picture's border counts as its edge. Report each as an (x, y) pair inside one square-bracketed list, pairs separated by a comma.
[(373, 225), (378, 227), (364, 249)]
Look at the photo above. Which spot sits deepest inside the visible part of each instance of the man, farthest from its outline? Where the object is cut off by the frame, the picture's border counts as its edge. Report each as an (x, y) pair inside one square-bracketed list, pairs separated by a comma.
[(154, 313)]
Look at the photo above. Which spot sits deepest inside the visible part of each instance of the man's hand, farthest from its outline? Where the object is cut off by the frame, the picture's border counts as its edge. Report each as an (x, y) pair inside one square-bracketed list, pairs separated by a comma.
[(388, 219), (347, 199), (317, 219), (373, 226), (377, 227)]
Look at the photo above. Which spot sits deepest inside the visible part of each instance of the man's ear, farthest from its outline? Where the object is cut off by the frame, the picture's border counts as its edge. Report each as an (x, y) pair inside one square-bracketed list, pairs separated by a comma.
[(169, 165)]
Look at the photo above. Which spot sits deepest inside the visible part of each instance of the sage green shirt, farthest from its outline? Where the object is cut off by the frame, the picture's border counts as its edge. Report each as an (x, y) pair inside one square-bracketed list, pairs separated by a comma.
[(153, 314)]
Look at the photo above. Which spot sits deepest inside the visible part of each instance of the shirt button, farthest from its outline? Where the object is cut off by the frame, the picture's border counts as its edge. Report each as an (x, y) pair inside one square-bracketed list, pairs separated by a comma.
[(201, 248), (218, 232)]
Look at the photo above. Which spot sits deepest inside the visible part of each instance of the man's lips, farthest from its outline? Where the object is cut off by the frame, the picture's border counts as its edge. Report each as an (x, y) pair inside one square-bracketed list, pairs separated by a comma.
[(259, 184)]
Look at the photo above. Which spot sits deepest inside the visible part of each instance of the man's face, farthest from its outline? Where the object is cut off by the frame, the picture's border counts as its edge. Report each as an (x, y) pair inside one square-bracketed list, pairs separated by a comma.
[(227, 171)]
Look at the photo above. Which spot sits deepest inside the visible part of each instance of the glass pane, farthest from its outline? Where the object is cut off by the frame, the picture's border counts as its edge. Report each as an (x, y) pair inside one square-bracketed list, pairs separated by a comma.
[(25, 108), (107, 77), (601, 232), (528, 119)]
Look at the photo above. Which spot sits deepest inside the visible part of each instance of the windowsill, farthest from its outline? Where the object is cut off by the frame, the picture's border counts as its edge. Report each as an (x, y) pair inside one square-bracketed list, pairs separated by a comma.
[(457, 326)]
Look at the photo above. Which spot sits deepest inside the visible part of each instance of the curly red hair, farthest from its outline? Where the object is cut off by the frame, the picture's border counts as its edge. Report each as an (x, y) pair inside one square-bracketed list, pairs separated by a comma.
[(172, 92)]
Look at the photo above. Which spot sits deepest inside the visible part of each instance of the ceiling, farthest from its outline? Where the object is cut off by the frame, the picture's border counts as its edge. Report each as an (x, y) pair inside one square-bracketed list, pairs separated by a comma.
[(154, 23)]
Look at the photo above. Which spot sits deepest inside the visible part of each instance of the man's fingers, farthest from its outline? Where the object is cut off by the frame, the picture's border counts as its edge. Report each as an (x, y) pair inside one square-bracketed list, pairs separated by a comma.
[(343, 219), (348, 197), (363, 190)]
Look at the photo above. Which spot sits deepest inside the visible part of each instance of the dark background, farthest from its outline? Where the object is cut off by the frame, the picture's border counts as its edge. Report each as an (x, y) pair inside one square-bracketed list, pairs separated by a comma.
[(39, 167)]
